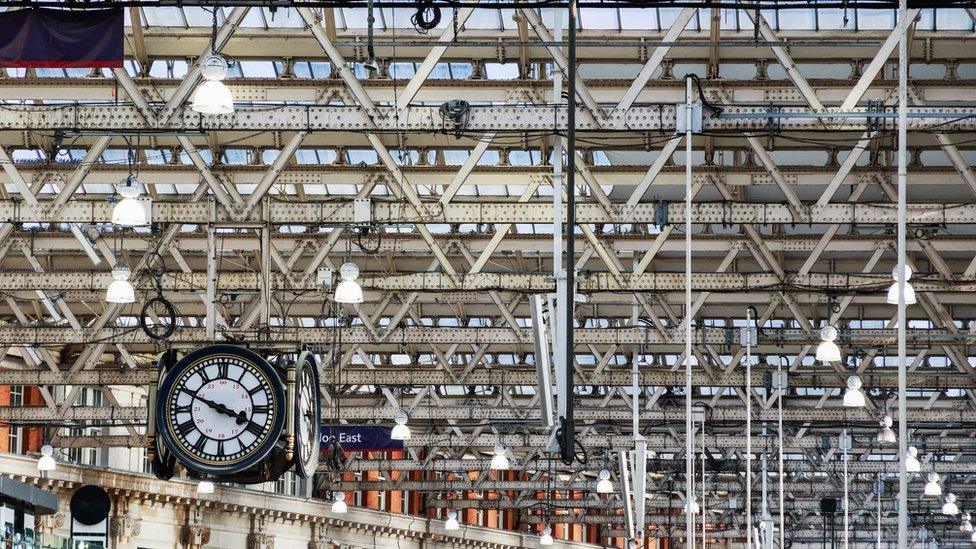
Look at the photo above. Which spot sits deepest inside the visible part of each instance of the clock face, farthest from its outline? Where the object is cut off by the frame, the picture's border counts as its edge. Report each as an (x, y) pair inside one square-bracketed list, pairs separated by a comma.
[(307, 418), (221, 409)]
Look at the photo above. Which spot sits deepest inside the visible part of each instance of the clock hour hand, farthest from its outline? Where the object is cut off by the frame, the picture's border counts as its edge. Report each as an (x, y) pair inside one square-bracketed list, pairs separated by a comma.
[(239, 416)]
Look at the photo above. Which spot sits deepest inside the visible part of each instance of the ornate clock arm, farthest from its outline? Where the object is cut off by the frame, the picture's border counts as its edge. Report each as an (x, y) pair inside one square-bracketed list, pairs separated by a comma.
[(290, 406)]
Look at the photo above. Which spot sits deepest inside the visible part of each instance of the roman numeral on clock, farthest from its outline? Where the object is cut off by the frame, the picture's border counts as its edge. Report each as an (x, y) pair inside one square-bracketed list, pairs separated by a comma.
[(186, 427), (261, 409), (254, 428), (200, 444), (223, 371)]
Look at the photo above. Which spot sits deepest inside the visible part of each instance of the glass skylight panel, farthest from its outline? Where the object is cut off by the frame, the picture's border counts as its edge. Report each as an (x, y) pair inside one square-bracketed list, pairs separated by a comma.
[(484, 19), (199, 17), (253, 18), (833, 19), (164, 17), (355, 18), (798, 19), (599, 18), (257, 69), (874, 19), (668, 16), (501, 71), (953, 19), (283, 18), (638, 19)]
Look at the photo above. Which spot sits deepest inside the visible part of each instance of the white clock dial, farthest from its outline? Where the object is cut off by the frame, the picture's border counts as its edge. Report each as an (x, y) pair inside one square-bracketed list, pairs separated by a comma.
[(307, 418), (222, 410)]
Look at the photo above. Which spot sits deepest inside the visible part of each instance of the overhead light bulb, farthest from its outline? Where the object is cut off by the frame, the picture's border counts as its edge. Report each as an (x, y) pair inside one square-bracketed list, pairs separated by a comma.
[(828, 351), (912, 464), (120, 290), (47, 462), (339, 503), (452, 523), (691, 507), (348, 290), (129, 212), (499, 461), (949, 507), (400, 431), (213, 96), (604, 486), (205, 487), (967, 524), (909, 290), (886, 435), (854, 396), (932, 488), (546, 538)]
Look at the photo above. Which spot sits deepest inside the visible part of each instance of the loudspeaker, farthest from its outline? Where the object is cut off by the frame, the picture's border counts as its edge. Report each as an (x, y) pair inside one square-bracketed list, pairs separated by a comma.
[(828, 506), (90, 505)]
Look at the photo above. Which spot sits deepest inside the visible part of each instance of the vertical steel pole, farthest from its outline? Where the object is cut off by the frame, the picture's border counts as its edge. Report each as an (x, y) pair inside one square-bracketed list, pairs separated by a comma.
[(847, 519), (211, 284), (689, 451), (559, 314), (902, 312), (569, 429), (782, 497), (749, 429)]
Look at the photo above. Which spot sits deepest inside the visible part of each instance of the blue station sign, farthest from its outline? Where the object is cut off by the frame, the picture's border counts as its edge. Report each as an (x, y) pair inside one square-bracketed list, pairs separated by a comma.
[(359, 438)]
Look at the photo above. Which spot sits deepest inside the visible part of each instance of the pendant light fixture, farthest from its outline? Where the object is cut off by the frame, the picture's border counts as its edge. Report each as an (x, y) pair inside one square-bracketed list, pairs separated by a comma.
[(909, 290), (120, 290), (886, 435), (692, 505), (854, 396), (546, 538), (348, 290), (967, 524), (911, 461), (400, 431), (205, 487), (47, 462), (828, 351), (949, 507), (339, 506), (213, 96), (499, 461), (604, 485), (129, 212), (932, 488), (452, 524)]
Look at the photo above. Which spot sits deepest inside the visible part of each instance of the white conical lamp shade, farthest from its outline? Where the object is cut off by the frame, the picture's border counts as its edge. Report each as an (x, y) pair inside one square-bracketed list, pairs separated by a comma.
[(120, 291), (499, 462), (128, 212), (213, 97), (949, 507), (692, 506), (205, 487), (349, 291), (854, 396), (546, 538), (912, 464), (909, 294), (932, 488), (452, 523), (400, 432), (828, 351), (887, 436), (47, 461), (339, 505)]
